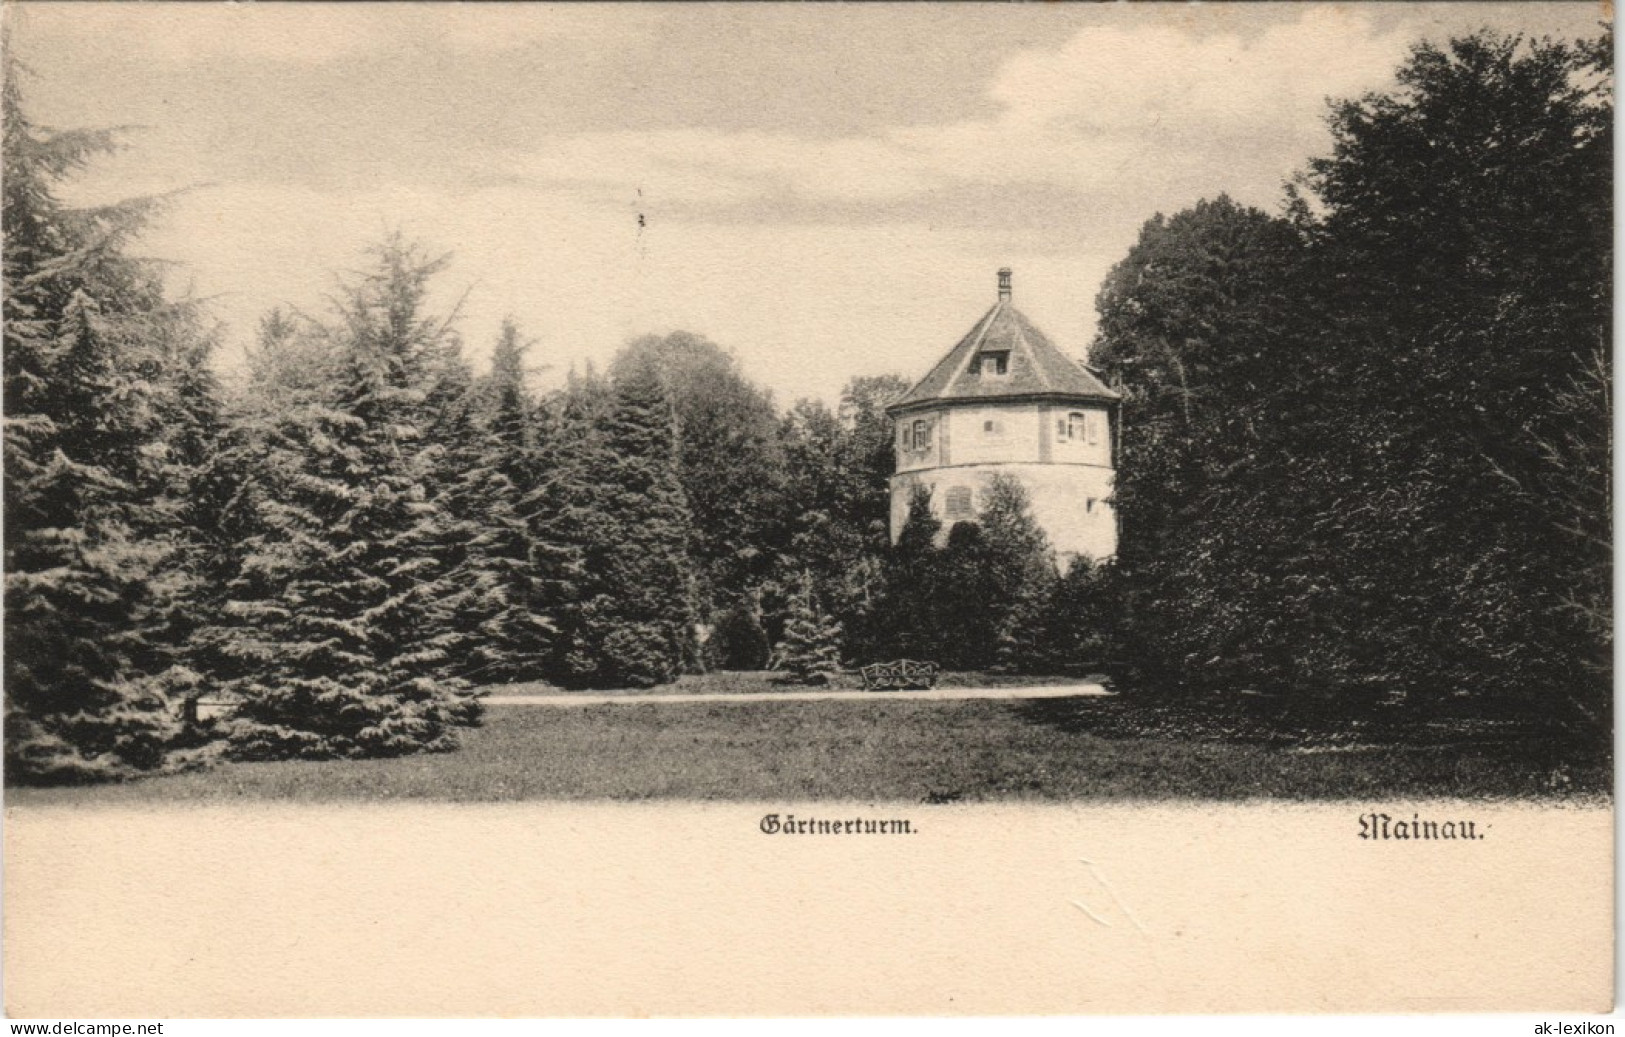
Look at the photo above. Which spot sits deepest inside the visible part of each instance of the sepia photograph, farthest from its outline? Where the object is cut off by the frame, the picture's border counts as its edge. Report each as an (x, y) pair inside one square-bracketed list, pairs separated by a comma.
[(538, 510)]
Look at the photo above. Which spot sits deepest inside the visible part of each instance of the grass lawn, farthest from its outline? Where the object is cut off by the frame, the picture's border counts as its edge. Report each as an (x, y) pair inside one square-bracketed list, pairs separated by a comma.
[(1123, 747)]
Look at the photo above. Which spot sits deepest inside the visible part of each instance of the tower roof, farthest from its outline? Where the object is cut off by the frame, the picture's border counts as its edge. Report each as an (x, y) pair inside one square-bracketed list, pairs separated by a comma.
[(1033, 366)]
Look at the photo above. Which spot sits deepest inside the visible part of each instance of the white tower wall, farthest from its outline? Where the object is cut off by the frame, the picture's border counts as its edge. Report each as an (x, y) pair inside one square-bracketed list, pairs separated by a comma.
[(1059, 452), (1006, 401)]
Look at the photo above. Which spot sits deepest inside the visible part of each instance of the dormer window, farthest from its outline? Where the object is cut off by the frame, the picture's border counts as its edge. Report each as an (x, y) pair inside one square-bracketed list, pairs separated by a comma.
[(993, 365)]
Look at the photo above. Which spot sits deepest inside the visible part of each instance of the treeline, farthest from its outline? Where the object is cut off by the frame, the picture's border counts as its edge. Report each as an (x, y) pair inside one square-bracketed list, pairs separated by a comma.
[(1365, 449), (364, 531), (1367, 442), (361, 531)]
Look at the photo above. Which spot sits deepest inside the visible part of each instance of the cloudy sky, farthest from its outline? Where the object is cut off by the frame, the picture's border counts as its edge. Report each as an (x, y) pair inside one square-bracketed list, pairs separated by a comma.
[(825, 189)]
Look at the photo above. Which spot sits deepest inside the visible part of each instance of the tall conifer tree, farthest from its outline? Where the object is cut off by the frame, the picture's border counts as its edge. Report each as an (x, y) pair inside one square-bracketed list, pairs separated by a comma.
[(615, 524), (506, 616), (729, 458), (911, 608), (341, 611), (811, 647), (102, 442), (1022, 576)]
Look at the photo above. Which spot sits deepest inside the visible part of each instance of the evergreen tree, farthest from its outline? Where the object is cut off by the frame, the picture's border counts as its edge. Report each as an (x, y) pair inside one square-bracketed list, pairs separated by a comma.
[(290, 370), (964, 619), (613, 517), (340, 613), (911, 609), (485, 441), (1021, 577), (103, 438), (729, 458), (811, 647), (739, 640), (836, 520), (521, 627), (562, 501)]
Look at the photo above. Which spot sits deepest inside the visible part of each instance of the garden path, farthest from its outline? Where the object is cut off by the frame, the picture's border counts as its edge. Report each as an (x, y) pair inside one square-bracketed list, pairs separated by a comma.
[(1057, 691)]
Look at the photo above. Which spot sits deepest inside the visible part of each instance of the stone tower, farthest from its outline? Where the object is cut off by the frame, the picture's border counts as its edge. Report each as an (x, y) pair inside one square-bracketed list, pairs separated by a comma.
[(1006, 401)]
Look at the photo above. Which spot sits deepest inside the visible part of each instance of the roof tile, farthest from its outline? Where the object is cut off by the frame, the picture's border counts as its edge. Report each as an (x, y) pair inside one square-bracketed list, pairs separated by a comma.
[(1035, 367)]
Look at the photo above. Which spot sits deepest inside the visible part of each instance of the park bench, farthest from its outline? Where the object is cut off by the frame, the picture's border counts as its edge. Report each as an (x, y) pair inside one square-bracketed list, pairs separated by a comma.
[(900, 675)]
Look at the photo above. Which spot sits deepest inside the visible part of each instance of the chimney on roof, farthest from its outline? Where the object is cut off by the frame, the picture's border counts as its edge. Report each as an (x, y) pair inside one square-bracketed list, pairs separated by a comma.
[(1004, 284)]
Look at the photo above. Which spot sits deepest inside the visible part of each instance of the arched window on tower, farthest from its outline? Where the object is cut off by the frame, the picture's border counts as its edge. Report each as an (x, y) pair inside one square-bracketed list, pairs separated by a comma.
[(1075, 423), (921, 439)]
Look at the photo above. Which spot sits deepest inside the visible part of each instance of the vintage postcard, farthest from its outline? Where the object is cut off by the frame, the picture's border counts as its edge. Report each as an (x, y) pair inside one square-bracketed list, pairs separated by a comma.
[(556, 510)]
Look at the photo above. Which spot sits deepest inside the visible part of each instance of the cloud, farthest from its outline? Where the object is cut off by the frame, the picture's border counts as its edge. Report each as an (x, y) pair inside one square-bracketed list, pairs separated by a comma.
[(1115, 79), (192, 34), (1113, 111), (816, 256)]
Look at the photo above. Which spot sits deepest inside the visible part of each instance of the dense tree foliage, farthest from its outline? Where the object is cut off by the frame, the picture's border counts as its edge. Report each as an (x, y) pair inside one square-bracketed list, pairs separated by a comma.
[(837, 505), (1462, 230), (810, 650), (1365, 451), (739, 639), (616, 519), (489, 457), (911, 609), (973, 597), (729, 458), (1199, 331), (109, 424), (1366, 444), (342, 614)]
